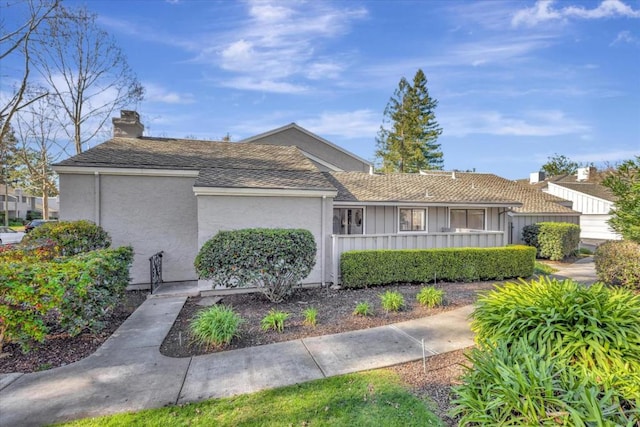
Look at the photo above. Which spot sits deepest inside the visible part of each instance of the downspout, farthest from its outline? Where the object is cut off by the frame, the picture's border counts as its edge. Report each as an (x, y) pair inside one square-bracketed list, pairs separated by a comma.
[(322, 240), (96, 213)]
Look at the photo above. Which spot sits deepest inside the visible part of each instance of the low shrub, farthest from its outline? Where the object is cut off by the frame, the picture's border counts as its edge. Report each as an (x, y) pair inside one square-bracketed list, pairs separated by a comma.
[(215, 326), (362, 309), (272, 260), (392, 301), (274, 320), (310, 316), (515, 385), (553, 240), (71, 237), (618, 263), (543, 269), (583, 344), (378, 267), (74, 292), (430, 296)]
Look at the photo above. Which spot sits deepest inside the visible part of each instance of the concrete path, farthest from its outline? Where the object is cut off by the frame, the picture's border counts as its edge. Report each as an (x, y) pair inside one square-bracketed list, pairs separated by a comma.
[(583, 271), (128, 373)]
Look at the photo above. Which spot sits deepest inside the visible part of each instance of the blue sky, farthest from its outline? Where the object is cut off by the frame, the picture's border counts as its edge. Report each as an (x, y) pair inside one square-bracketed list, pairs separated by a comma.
[(516, 81)]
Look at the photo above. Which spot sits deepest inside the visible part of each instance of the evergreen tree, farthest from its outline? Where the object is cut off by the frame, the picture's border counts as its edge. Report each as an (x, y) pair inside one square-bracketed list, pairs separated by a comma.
[(559, 165), (409, 143), (624, 183)]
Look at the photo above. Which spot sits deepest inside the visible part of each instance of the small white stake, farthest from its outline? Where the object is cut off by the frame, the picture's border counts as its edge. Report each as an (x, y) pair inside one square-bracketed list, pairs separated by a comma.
[(424, 359), (180, 338)]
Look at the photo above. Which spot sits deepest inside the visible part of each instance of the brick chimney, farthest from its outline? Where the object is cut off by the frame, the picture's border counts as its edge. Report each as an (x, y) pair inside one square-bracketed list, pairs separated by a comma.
[(127, 125)]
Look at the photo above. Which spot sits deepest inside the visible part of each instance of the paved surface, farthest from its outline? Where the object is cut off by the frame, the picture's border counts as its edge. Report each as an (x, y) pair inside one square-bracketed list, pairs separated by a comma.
[(128, 373), (583, 271)]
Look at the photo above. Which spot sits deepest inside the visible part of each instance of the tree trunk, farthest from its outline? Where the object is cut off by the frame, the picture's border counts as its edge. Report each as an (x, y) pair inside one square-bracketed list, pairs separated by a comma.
[(45, 205)]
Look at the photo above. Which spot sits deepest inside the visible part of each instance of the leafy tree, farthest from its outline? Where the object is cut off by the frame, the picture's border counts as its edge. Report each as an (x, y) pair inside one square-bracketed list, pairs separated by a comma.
[(8, 160), (624, 182), (559, 165), (407, 140), (87, 72)]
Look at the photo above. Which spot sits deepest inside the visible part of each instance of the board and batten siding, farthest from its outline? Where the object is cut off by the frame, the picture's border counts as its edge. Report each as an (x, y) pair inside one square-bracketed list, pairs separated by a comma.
[(518, 222), (583, 203), (384, 219)]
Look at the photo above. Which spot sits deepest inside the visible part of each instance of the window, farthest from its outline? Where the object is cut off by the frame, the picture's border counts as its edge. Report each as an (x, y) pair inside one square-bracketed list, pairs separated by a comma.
[(467, 218), (413, 219), (348, 221)]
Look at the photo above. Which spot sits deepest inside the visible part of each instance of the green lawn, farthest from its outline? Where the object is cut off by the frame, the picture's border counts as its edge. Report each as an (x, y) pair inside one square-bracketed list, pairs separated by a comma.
[(541, 268), (362, 399)]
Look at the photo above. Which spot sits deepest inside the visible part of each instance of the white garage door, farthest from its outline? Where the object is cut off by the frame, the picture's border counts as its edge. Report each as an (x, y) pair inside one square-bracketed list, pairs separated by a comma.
[(596, 227)]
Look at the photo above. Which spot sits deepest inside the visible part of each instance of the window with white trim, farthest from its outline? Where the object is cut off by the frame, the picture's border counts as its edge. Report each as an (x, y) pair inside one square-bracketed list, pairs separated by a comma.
[(472, 219), (348, 221), (412, 219)]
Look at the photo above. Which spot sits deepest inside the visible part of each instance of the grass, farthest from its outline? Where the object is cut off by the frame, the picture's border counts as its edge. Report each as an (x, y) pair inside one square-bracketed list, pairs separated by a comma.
[(362, 399), (215, 326), (310, 316), (392, 301), (274, 320), (362, 309), (541, 269), (430, 296)]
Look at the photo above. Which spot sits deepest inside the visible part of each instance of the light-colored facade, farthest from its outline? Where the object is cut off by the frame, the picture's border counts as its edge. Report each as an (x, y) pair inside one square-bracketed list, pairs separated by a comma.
[(16, 202)]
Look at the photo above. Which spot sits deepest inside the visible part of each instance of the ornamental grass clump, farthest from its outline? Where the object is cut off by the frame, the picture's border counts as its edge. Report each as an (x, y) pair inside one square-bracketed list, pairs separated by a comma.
[(215, 326), (310, 316), (581, 344), (362, 309), (274, 320), (430, 296), (392, 301)]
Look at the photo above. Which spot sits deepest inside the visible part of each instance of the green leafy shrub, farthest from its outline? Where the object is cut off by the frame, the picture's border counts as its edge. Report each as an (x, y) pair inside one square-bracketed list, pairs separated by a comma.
[(378, 267), (274, 320), (543, 269), (362, 309), (618, 263), (74, 292), (215, 326), (272, 260), (392, 301), (430, 296), (581, 344), (553, 240), (71, 237), (310, 316), (515, 385)]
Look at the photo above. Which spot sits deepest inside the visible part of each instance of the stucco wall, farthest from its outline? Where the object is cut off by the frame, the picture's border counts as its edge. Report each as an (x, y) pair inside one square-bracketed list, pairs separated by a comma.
[(316, 148), (151, 214), (217, 213)]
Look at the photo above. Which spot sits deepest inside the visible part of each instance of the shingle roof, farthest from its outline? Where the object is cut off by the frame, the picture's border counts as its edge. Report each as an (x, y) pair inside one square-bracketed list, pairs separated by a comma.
[(589, 188), (441, 187), (264, 179), (169, 153)]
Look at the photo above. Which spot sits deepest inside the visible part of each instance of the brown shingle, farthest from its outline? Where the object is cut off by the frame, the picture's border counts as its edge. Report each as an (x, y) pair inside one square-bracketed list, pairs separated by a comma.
[(264, 179)]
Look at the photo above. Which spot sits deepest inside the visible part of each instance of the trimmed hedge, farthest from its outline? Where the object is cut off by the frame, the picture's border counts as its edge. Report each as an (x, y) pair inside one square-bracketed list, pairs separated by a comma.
[(618, 263), (272, 260), (74, 292), (553, 240), (71, 237), (379, 267)]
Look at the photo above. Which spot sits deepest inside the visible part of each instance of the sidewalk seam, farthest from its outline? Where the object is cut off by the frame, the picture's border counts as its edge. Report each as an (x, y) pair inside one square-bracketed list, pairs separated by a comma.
[(324, 374), (184, 380), (419, 342)]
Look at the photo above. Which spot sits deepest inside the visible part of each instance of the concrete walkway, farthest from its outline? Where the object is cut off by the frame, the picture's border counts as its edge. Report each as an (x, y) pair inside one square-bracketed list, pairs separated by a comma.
[(128, 373)]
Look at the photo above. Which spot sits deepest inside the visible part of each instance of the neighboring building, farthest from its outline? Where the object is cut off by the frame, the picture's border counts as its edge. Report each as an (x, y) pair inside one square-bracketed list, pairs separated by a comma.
[(19, 203), (172, 195), (587, 196)]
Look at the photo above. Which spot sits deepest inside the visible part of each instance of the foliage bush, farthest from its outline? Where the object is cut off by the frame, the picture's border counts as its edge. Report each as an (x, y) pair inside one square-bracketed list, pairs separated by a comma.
[(215, 326), (618, 263), (362, 309), (71, 237), (74, 292), (378, 267), (274, 320), (430, 296), (553, 240), (570, 352), (392, 301), (272, 260), (310, 316)]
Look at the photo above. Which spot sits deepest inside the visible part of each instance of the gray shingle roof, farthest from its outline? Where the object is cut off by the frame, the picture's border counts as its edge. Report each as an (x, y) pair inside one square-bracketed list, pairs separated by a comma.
[(168, 153), (589, 188), (264, 179)]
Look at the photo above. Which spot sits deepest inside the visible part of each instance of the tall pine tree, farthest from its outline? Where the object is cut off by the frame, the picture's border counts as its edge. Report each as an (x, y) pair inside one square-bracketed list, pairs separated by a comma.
[(407, 140)]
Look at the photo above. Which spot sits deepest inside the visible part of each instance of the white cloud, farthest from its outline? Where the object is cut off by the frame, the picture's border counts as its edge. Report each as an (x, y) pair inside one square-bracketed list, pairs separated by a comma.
[(625, 37), (544, 11), (345, 124), (157, 93), (280, 42), (531, 123)]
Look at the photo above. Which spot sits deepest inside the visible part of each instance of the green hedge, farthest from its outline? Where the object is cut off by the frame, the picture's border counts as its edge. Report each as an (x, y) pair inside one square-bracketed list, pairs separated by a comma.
[(553, 240), (73, 292), (618, 263), (270, 259), (71, 237), (378, 267)]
